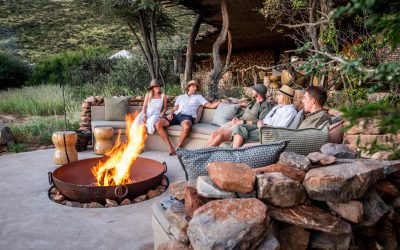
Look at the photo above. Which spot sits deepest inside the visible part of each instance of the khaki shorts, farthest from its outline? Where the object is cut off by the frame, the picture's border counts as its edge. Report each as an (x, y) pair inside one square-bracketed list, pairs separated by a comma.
[(248, 132)]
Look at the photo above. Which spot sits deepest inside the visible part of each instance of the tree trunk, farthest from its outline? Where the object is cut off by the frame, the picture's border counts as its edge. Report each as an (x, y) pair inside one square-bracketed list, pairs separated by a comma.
[(189, 51), (212, 90)]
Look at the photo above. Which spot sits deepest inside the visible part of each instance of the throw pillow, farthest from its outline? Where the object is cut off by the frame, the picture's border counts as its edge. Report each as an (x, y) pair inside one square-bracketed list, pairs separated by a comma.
[(297, 119), (301, 141), (116, 108), (336, 132), (194, 161), (224, 113)]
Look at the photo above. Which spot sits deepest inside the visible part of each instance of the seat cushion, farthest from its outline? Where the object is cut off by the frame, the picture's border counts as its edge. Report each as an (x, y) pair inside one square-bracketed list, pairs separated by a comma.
[(113, 124), (301, 141), (194, 162), (199, 128), (297, 120)]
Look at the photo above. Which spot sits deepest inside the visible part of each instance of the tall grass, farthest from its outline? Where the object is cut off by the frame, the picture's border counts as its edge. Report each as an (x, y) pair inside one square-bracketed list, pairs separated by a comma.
[(38, 130), (37, 101)]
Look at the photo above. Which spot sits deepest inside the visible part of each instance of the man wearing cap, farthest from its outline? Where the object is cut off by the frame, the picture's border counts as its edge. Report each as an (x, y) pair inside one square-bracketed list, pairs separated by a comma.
[(280, 116), (254, 112), (184, 114)]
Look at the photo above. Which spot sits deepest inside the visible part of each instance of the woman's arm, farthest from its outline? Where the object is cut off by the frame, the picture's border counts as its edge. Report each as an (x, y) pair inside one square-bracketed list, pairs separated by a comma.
[(164, 108), (145, 104)]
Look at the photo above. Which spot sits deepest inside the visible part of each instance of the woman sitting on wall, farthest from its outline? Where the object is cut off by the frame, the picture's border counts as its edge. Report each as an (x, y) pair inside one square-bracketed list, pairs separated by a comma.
[(154, 106), (280, 116)]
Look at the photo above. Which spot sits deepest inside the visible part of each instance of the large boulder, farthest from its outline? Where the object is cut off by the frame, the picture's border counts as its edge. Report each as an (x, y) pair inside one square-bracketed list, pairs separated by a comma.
[(291, 159), (338, 150), (232, 177), (346, 181), (311, 217), (279, 190), (229, 224), (6, 136)]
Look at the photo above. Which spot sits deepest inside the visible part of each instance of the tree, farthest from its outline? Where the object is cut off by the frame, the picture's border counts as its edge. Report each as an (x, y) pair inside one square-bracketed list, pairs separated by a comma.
[(145, 19)]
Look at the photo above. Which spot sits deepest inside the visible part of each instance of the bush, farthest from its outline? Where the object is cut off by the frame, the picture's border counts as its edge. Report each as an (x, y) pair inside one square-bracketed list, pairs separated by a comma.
[(13, 71), (62, 68)]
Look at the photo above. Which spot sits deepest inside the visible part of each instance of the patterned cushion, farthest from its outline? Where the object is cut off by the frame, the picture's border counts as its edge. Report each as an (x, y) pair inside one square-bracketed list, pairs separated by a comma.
[(301, 141), (194, 161)]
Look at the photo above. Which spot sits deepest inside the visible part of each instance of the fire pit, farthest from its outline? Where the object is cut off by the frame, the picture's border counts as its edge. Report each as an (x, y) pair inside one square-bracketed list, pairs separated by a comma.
[(77, 183)]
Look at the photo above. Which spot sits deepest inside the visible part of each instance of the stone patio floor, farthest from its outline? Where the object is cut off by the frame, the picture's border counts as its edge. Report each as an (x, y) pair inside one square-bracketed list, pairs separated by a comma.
[(29, 220)]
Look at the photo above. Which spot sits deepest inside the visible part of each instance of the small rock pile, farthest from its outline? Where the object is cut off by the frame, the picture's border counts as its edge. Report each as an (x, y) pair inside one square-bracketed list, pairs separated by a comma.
[(326, 200), (56, 196)]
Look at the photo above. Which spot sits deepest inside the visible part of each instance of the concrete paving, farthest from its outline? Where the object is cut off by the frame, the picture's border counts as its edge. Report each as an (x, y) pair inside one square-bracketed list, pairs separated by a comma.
[(29, 220)]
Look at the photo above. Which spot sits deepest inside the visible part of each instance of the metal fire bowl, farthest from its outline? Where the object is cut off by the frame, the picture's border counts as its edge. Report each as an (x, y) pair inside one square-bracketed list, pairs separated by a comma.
[(75, 180)]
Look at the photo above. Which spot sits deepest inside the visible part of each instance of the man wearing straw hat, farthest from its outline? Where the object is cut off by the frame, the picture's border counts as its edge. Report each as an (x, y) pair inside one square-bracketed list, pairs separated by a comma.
[(184, 114), (280, 116)]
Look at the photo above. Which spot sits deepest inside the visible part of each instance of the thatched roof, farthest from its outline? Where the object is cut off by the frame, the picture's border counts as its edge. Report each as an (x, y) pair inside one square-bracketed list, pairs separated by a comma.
[(249, 28)]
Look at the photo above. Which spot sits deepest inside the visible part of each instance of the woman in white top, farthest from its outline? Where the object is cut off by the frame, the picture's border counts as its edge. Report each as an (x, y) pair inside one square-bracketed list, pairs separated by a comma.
[(282, 114), (154, 106)]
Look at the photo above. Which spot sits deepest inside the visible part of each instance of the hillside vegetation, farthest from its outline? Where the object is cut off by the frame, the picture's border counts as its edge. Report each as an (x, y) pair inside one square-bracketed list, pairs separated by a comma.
[(37, 28)]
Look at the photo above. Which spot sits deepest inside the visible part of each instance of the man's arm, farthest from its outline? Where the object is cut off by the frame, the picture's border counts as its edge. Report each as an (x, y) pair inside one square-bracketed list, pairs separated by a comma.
[(212, 105)]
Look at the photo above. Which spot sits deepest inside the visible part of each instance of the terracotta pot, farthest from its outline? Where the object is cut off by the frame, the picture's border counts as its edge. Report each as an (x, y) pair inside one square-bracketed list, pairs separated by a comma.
[(275, 78)]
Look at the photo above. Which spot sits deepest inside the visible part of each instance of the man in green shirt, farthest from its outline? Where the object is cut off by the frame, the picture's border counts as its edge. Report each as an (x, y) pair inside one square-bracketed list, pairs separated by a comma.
[(254, 112), (313, 100)]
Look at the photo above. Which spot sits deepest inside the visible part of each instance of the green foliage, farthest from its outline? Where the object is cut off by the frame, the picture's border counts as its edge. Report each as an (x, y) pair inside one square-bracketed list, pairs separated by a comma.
[(38, 130), (13, 71), (61, 68), (37, 100), (18, 148)]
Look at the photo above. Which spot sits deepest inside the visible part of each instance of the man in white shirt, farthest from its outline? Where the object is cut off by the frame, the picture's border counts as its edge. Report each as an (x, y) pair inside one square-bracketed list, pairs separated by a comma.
[(184, 114)]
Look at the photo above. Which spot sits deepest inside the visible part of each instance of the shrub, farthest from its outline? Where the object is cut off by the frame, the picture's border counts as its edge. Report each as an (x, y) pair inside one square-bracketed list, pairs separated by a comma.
[(13, 71), (60, 68)]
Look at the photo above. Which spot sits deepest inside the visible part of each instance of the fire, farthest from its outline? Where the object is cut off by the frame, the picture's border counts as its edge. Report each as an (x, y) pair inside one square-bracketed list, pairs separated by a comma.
[(115, 171)]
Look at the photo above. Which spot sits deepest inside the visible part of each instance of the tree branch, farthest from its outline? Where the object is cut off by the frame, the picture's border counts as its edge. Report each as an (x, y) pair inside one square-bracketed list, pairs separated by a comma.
[(301, 25)]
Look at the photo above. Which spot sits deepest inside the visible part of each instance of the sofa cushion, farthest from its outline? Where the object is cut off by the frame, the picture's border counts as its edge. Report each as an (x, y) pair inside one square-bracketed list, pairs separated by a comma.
[(199, 128), (297, 120), (224, 113), (113, 124), (301, 141), (116, 108), (194, 162)]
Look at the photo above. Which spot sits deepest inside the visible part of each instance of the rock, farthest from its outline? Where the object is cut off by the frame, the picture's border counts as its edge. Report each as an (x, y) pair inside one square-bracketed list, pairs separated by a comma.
[(180, 235), (173, 245), (112, 203), (59, 198), (252, 194), (140, 198), (293, 237), (95, 205), (338, 150), (161, 189), (311, 217), (229, 224), (374, 209), (176, 215), (386, 190), (270, 243), (125, 202), (153, 193), (280, 190), (6, 136), (396, 203), (370, 127), (232, 177), (291, 159), (321, 240), (321, 159), (72, 203), (380, 155), (164, 181), (54, 190), (177, 189), (90, 99), (291, 172), (385, 234), (346, 181), (350, 210), (192, 201), (207, 188)]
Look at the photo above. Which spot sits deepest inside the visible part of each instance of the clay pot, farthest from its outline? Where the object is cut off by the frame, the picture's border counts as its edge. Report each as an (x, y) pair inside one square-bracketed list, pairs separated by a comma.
[(274, 85), (275, 78)]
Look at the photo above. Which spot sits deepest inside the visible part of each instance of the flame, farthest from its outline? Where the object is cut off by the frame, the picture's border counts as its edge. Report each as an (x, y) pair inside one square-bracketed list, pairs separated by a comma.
[(115, 171)]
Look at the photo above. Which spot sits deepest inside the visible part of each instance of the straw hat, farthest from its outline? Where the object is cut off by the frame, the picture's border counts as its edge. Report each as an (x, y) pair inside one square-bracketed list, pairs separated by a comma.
[(287, 91), (192, 82), (154, 83)]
